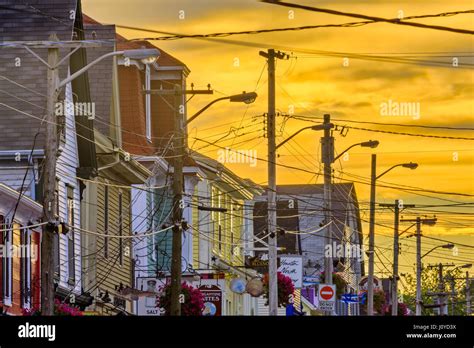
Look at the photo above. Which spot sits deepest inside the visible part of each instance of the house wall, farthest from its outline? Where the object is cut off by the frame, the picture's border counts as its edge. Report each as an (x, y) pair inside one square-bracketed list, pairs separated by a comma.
[(110, 271), (66, 165)]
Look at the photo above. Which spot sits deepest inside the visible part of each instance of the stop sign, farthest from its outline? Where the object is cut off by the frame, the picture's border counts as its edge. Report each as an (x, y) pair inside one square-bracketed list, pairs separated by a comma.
[(326, 293)]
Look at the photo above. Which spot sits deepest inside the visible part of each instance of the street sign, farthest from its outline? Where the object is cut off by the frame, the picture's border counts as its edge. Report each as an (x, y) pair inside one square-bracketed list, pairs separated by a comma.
[(350, 298), (327, 296)]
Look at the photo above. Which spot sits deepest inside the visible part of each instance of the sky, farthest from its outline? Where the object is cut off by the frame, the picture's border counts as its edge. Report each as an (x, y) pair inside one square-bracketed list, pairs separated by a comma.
[(312, 84)]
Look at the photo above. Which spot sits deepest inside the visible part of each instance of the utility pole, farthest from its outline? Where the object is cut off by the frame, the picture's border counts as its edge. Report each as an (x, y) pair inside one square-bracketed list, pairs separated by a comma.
[(179, 146), (453, 293), (327, 157), (370, 278), (271, 55), (176, 251), (419, 266), (49, 199), (441, 298), (397, 207), (468, 294)]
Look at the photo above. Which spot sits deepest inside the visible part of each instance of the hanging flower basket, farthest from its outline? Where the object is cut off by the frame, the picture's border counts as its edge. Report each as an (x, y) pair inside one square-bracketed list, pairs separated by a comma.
[(193, 304), (60, 309), (285, 289)]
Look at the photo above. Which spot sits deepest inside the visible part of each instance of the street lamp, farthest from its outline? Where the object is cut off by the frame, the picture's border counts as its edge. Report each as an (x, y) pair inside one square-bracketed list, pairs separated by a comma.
[(444, 246), (371, 143), (147, 56), (374, 177), (247, 98)]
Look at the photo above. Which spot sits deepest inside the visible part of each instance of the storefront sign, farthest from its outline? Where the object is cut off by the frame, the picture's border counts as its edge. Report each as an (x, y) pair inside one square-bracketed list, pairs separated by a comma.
[(212, 300)]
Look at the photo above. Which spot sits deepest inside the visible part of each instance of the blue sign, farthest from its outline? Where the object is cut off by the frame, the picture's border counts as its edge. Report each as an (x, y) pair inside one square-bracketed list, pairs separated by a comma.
[(350, 298)]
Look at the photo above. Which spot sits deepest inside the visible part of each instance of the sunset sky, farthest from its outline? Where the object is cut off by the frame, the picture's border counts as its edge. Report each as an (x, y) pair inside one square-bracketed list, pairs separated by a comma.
[(314, 84)]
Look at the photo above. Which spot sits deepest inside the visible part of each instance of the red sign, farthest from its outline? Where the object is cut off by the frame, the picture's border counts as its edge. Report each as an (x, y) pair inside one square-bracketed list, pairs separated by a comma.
[(212, 300), (326, 293)]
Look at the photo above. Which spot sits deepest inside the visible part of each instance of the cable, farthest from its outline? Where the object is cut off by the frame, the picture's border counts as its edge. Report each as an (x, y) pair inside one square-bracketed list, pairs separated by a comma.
[(398, 21)]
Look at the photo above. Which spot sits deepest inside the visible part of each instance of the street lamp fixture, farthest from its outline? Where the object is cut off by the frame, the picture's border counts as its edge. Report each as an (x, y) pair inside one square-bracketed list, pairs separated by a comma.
[(247, 98), (410, 165), (244, 97), (146, 56)]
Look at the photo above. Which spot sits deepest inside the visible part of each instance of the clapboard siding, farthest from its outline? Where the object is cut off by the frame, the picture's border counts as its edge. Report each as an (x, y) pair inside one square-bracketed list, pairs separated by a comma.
[(110, 273), (66, 173)]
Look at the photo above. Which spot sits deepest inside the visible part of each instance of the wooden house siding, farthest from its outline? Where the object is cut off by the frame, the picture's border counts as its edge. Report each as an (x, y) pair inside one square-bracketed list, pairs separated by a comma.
[(67, 163), (110, 272)]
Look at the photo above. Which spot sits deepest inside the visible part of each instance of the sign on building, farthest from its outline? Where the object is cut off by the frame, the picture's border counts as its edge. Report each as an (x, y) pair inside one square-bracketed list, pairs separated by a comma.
[(148, 305), (327, 297), (212, 300), (292, 266)]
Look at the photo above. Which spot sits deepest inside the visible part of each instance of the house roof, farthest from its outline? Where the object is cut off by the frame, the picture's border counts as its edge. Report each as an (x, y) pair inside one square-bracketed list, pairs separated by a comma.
[(224, 177), (311, 195)]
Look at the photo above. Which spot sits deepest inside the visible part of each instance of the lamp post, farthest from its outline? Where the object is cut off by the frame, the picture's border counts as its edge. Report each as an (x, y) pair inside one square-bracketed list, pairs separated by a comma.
[(178, 186), (374, 177), (54, 85)]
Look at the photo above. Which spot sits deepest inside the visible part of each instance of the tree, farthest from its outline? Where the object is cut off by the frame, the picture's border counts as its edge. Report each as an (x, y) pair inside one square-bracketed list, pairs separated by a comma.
[(429, 284)]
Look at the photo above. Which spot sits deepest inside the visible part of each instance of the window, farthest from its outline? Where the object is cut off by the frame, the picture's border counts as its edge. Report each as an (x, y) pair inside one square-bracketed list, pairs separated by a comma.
[(25, 268), (70, 240), (120, 227), (148, 102), (106, 221), (7, 264), (56, 249), (220, 237)]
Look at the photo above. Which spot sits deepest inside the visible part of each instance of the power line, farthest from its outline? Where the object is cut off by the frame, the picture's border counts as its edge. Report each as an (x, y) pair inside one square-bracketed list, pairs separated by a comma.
[(398, 21)]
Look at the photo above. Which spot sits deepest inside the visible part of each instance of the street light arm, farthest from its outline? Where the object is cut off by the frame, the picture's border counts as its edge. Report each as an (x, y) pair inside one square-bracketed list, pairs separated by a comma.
[(87, 67), (292, 136), (192, 118), (389, 169), (436, 247), (343, 152)]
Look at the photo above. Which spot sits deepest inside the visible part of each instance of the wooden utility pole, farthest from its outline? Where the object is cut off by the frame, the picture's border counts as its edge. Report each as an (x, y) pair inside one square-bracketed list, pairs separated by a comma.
[(179, 146), (397, 207), (419, 266), (468, 294), (271, 55), (49, 175)]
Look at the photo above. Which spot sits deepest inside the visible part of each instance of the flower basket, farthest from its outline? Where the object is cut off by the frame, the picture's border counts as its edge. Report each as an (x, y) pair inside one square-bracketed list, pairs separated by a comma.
[(193, 301), (60, 309), (285, 289)]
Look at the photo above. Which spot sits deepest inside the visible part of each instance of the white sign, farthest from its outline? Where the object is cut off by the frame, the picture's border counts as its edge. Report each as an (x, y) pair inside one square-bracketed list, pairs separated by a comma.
[(292, 266), (147, 305), (327, 296)]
